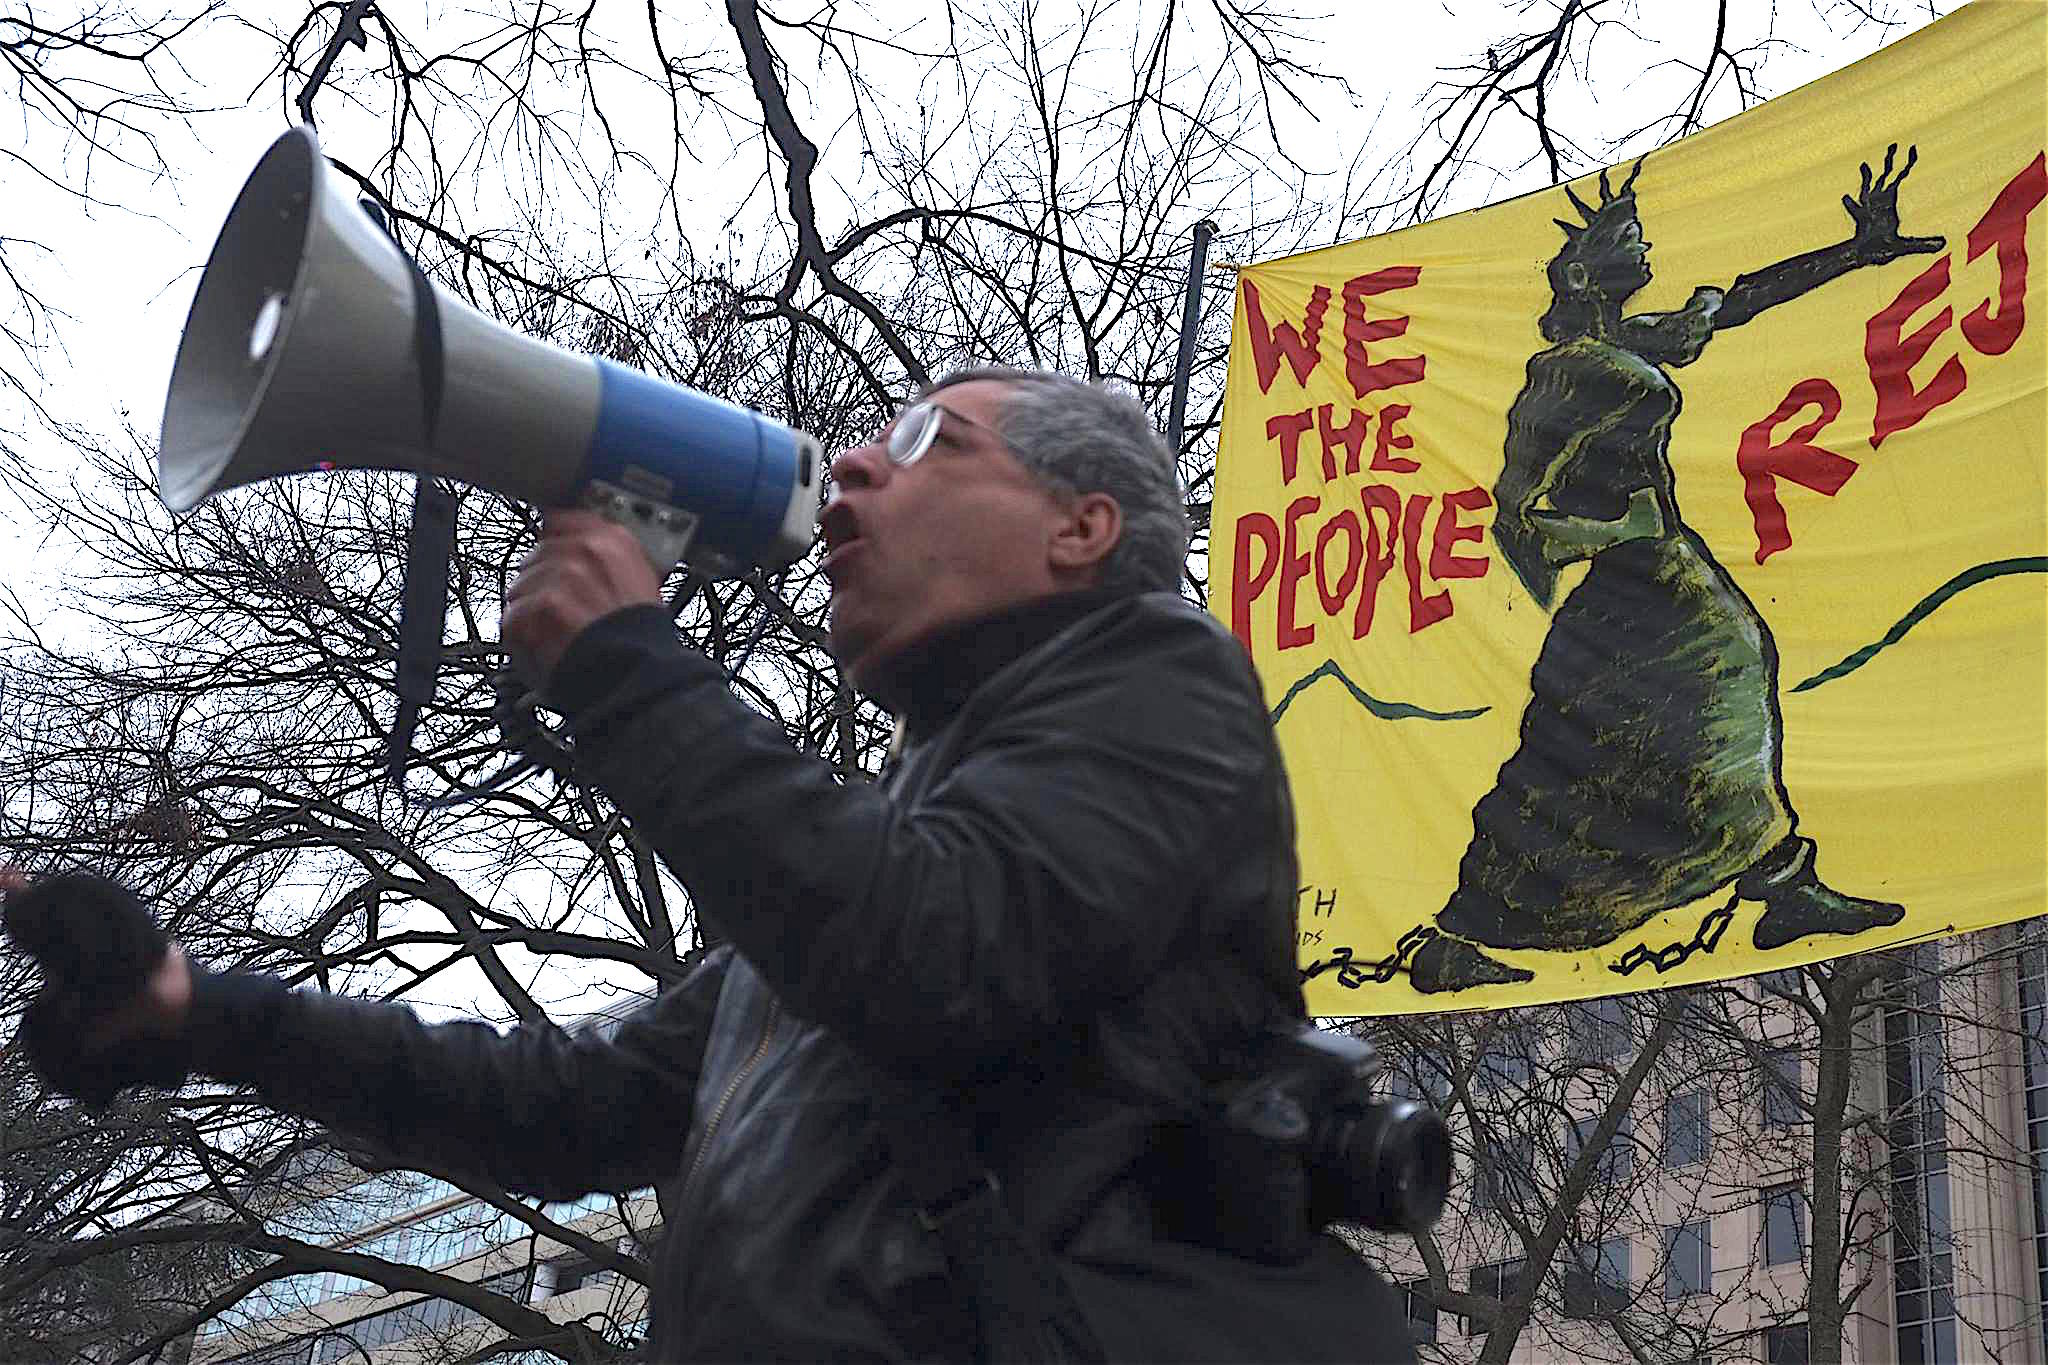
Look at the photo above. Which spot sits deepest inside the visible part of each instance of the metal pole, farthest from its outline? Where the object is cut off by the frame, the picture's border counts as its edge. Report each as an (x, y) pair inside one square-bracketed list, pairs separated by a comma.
[(1190, 321)]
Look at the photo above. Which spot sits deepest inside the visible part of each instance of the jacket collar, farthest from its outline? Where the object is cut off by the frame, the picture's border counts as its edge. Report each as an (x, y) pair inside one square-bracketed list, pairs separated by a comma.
[(930, 680)]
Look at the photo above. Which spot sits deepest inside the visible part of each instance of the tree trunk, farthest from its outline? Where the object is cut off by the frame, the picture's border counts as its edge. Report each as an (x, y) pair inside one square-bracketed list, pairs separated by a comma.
[(1517, 1306), (1844, 989)]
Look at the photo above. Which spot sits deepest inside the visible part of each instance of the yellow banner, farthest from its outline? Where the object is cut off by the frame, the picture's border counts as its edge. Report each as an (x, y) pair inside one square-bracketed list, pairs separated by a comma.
[(1647, 574)]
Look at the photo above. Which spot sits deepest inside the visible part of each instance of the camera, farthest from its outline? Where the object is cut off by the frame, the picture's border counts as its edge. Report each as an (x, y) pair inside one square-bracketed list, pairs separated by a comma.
[(1377, 1163)]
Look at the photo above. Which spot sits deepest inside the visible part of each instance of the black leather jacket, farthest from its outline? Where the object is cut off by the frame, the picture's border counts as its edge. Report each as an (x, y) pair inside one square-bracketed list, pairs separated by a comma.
[(1071, 893)]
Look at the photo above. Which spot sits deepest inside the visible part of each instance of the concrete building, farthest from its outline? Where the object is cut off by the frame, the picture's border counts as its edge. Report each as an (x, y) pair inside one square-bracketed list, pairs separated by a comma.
[(1696, 1244), (418, 1220), (331, 1319)]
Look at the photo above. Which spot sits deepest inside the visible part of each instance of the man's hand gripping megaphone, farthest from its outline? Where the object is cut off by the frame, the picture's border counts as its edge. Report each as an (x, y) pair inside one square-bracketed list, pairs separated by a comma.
[(585, 567)]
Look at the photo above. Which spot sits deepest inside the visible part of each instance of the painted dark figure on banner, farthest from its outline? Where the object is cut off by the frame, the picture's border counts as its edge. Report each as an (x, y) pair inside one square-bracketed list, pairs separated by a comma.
[(1649, 770)]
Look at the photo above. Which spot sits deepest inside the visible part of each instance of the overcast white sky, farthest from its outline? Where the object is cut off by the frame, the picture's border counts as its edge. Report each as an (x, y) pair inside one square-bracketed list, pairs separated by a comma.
[(125, 276), (127, 280)]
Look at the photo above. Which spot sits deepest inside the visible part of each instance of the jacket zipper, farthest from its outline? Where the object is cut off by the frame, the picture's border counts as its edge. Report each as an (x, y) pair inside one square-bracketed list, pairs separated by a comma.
[(718, 1111)]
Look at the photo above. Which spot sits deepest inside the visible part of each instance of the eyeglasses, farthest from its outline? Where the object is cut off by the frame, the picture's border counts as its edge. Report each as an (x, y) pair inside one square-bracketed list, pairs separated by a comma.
[(917, 427)]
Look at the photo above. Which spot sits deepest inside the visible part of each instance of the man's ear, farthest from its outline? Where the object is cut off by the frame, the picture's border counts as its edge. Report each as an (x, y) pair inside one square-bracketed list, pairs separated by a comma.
[(1093, 525)]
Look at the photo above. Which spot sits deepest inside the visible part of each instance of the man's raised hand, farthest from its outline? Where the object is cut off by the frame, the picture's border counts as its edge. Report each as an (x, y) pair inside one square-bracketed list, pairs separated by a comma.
[(116, 992)]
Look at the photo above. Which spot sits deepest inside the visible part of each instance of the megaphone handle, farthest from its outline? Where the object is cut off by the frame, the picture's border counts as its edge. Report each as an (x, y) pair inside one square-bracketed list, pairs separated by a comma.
[(664, 531)]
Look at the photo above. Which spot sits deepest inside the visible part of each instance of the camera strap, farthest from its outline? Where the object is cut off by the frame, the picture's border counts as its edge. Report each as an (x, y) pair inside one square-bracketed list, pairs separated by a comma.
[(430, 540), (1023, 1310)]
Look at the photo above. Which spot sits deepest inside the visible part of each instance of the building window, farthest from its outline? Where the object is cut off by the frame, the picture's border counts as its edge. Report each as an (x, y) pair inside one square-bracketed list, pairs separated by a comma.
[(1782, 1107), (297, 1351), (1685, 1129), (367, 1334), (1596, 1283), (1784, 1225), (1496, 1280), (1617, 1160), (418, 1318), (1688, 1259), (1599, 1029), (1786, 1345), (1507, 1181), (1507, 1059), (567, 1274), (1923, 1243), (1788, 984), (1421, 1079), (1421, 1311), (511, 1283)]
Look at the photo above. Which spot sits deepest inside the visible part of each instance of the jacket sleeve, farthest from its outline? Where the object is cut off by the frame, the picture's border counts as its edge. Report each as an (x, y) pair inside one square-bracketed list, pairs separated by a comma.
[(1047, 875), (538, 1110)]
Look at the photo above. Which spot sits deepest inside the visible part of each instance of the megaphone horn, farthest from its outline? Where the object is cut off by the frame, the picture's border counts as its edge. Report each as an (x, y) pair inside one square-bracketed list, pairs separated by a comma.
[(299, 354)]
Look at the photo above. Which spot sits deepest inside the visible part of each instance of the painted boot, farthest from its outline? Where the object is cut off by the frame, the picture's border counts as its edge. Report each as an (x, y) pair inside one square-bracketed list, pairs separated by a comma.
[(1445, 963), (1797, 903)]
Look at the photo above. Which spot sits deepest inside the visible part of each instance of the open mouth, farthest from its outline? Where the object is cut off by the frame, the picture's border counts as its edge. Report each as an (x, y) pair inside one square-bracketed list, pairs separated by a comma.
[(839, 531)]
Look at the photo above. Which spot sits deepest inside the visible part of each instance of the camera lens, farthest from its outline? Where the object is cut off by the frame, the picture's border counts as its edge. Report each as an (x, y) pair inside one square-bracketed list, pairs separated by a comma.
[(1414, 1166), (1392, 1162)]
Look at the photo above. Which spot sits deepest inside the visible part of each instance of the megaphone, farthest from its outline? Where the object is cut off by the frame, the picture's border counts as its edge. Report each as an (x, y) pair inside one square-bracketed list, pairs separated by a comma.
[(314, 343)]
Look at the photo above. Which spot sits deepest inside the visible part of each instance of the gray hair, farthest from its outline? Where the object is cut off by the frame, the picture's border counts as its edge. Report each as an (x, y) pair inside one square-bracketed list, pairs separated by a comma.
[(1077, 438)]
